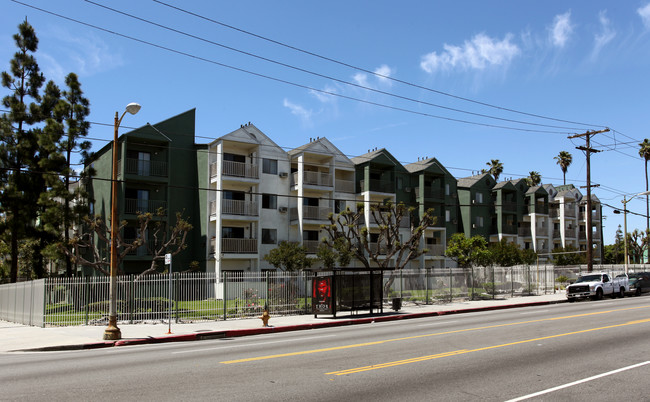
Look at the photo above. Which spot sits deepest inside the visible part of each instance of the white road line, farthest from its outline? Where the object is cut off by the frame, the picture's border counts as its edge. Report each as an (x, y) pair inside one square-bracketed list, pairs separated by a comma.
[(571, 384), (250, 344), (436, 323)]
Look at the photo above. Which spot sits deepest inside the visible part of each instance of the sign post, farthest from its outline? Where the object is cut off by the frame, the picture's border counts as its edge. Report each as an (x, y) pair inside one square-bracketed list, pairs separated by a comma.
[(168, 261)]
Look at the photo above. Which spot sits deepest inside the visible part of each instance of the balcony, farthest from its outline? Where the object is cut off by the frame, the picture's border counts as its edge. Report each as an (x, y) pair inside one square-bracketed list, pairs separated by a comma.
[(315, 179), (235, 169), (311, 246), (376, 249), (379, 186), (344, 186), (134, 206), (569, 212), (142, 250), (404, 222), (239, 246), (146, 168), (434, 250), (430, 193), (525, 232), (239, 207), (315, 213)]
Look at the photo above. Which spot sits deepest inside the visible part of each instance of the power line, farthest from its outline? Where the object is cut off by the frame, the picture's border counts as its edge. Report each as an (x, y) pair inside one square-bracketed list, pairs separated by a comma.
[(323, 75), (370, 72), (260, 75)]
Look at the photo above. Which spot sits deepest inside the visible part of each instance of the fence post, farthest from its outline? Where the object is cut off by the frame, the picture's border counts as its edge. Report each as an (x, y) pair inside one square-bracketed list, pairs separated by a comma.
[(131, 298), (86, 297), (401, 284), (225, 292), (494, 285), (176, 293), (426, 284), (512, 283), (451, 292), (307, 291)]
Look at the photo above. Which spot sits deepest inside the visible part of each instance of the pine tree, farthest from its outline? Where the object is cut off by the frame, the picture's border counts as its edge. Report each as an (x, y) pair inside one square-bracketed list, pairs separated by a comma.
[(18, 139)]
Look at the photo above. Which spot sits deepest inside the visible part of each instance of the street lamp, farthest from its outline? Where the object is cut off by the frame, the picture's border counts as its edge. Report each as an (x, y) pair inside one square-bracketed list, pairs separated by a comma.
[(625, 223), (112, 332)]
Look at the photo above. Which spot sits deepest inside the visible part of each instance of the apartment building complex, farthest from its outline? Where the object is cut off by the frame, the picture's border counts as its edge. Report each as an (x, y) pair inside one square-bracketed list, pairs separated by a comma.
[(244, 194)]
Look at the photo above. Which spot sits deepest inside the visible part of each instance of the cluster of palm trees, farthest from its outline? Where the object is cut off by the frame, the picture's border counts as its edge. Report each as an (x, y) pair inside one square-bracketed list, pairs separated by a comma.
[(564, 159)]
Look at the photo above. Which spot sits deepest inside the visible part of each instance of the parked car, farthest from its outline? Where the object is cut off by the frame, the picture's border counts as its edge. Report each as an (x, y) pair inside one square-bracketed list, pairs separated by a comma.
[(639, 283), (596, 285)]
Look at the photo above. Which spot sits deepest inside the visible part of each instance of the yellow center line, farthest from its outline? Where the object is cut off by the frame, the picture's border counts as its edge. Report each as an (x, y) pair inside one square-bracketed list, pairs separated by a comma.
[(464, 351), (358, 345)]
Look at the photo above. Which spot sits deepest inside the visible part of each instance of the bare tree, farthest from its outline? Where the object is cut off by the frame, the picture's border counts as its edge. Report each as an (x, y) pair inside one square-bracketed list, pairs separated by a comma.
[(349, 234)]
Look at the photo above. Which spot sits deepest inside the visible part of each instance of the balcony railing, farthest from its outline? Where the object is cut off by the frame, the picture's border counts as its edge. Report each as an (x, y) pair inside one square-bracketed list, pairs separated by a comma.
[(570, 212), (429, 193), (239, 246), (236, 169), (146, 168), (134, 205), (344, 186), (315, 178), (526, 232), (404, 222), (311, 246), (316, 213), (381, 186), (239, 207), (434, 250)]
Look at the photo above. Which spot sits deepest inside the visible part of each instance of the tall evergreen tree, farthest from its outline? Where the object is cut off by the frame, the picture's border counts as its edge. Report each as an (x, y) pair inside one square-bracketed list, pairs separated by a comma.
[(18, 138)]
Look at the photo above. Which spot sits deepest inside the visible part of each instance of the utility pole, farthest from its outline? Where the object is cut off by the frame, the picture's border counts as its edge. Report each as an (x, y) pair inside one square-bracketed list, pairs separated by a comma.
[(588, 151)]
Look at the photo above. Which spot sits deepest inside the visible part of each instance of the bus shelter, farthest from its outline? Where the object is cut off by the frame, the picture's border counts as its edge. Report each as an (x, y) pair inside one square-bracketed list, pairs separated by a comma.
[(347, 289)]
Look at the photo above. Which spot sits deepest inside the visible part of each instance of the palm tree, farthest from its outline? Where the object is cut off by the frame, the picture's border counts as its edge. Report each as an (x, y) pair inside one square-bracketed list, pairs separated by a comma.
[(534, 178), (564, 159), (644, 152), (496, 168)]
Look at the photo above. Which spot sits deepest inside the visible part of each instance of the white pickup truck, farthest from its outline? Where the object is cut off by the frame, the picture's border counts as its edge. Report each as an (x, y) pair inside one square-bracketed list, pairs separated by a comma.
[(596, 285)]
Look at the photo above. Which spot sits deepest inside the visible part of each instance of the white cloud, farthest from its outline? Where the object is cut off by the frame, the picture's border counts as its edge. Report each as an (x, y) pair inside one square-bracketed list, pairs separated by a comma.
[(383, 74), (361, 79), (325, 97), (561, 30), (297, 110), (644, 13), (478, 53), (606, 35)]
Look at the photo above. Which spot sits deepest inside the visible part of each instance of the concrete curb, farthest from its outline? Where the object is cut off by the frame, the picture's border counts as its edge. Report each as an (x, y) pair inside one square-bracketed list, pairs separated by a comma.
[(235, 333)]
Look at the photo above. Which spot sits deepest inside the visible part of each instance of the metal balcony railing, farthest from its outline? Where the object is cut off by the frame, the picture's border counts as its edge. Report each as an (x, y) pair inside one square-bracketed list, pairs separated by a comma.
[(134, 205), (239, 246), (146, 168), (235, 169)]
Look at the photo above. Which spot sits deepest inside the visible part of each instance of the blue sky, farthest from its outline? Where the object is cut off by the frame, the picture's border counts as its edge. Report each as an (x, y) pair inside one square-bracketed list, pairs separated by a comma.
[(464, 82)]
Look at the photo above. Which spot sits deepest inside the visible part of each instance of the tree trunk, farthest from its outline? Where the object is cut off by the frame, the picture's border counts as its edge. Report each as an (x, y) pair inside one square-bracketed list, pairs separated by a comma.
[(647, 203)]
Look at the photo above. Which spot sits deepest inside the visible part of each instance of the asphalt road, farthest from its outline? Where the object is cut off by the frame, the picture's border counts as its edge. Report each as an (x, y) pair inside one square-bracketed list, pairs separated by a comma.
[(582, 351)]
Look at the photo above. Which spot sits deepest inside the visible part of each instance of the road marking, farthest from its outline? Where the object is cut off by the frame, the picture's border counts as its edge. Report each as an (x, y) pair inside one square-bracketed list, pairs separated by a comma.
[(249, 344), (436, 323), (464, 351), (571, 384), (306, 352)]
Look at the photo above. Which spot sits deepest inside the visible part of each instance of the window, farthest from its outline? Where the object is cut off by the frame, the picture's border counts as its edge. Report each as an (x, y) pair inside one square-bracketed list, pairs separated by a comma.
[(232, 232), (269, 201), (270, 166), (269, 236), (234, 158), (339, 206), (447, 189), (310, 202), (479, 198), (447, 215), (479, 221)]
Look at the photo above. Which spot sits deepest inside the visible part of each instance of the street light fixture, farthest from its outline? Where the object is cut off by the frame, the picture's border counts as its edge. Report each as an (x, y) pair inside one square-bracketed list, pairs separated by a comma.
[(624, 201), (112, 332)]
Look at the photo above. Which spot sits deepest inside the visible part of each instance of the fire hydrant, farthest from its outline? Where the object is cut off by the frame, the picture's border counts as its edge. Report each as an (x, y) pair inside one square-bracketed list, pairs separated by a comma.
[(265, 316)]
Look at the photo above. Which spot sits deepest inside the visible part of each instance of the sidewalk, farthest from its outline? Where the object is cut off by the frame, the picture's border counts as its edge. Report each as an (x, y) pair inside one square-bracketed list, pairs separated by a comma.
[(17, 337)]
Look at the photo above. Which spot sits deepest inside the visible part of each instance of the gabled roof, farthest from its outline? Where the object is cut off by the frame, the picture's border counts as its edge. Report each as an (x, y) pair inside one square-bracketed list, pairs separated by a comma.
[(467, 182), (429, 164), (506, 185), (322, 146), (537, 190), (247, 133), (378, 156)]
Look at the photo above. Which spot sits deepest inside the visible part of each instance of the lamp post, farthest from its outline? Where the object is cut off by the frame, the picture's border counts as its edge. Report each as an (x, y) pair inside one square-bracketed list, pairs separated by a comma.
[(625, 201), (112, 332)]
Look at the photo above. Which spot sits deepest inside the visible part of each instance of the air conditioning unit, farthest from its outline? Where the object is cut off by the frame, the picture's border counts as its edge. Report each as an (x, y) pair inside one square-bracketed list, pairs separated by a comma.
[(282, 209), (284, 174)]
